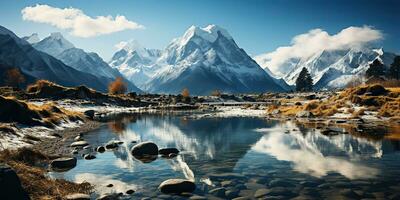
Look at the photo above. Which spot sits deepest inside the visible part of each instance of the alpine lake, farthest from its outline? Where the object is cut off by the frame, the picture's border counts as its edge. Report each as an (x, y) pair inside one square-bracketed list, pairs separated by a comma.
[(248, 157)]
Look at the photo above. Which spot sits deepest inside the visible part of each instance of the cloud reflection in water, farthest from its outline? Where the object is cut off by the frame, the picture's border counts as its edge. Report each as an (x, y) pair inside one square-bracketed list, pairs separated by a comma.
[(307, 157)]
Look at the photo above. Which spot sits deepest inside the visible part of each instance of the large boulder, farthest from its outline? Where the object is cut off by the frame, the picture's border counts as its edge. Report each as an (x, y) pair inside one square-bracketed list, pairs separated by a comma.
[(144, 148), (63, 163), (10, 185), (177, 186)]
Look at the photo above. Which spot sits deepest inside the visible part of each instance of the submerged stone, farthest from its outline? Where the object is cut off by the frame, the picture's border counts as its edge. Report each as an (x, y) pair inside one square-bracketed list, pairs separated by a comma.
[(177, 186)]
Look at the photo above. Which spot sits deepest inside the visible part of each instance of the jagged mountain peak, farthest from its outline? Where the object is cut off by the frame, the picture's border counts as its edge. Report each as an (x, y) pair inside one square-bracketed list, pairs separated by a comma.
[(32, 39), (209, 33), (54, 44)]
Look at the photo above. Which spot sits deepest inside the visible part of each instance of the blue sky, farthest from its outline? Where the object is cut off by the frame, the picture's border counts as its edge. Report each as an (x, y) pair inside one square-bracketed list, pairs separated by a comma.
[(257, 26)]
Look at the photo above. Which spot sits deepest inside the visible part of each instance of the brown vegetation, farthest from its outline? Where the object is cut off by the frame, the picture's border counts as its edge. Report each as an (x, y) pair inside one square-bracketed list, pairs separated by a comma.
[(13, 77), (13, 110), (118, 86), (185, 93), (29, 166), (373, 97)]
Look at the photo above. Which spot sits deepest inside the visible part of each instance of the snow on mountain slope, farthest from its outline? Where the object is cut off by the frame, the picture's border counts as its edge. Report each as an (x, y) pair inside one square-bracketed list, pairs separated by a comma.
[(32, 39), (334, 68), (57, 46), (135, 62), (207, 59), (54, 44)]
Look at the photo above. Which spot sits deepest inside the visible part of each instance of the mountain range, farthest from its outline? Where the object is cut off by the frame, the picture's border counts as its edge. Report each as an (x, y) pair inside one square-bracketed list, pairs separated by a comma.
[(331, 69), (202, 60)]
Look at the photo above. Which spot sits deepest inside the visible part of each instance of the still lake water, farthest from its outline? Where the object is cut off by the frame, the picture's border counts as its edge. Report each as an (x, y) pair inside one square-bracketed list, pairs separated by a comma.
[(243, 156)]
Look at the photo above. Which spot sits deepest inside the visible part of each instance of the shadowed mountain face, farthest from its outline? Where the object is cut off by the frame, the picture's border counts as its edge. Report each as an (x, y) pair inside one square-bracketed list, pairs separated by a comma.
[(18, 53)]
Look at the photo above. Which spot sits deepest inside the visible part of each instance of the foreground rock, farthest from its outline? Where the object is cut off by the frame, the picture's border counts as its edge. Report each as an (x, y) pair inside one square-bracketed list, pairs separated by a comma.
[(10, 185), (144, 148), (63, 163), (77, 196), (177, 186)]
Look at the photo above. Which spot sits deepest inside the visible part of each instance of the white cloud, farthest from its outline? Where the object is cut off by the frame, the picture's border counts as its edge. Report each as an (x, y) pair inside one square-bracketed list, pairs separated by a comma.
[(76, 21), (314, 41)]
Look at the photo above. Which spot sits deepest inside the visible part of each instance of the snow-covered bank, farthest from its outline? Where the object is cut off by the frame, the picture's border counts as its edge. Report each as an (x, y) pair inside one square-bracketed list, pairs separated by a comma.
[(23, 136), (233, 111)]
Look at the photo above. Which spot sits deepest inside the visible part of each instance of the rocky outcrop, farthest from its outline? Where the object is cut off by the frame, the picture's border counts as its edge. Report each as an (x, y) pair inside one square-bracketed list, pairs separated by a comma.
[(10, 185)]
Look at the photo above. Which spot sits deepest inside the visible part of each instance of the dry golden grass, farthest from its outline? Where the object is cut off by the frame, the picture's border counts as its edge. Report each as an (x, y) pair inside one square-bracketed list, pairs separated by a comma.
[(372, 97), (48, 114), (28, 165)]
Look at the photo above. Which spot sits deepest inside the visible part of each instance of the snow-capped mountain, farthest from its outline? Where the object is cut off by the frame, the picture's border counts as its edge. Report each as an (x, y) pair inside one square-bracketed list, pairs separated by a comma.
[(32, 39), (135, 62), (54, 44), (334, 68), (34, 64), (202, 60), (57, 46), (207, 59)]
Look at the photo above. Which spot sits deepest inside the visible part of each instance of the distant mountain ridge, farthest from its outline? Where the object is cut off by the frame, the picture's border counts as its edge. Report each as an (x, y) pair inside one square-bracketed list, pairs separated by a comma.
[(202, 60), (334, 68), (16, 52), (57, 46)]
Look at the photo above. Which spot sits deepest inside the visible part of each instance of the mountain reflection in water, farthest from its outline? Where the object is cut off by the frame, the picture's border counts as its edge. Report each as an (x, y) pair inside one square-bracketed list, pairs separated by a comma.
[(236, 147)]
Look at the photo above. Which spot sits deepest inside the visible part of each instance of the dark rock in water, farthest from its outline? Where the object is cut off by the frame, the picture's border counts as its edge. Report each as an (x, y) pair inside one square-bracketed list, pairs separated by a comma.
[(110, 185), (75, 151), (119, 142), (130, 191), (177, 186), (77, 196), (89, 114), (89, 157), (10, 185), (167, 151), (144, 148), (304, 114), (79, 144), (100, 149), (111, 145), (218, 192), (63, 163)]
